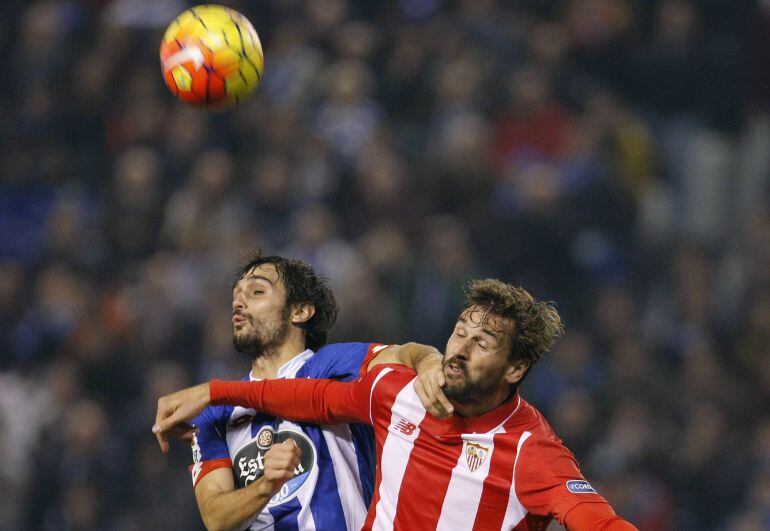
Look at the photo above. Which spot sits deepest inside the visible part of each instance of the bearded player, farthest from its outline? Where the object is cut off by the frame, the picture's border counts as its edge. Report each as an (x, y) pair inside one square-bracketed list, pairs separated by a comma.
[(494, 464), (254, 470)]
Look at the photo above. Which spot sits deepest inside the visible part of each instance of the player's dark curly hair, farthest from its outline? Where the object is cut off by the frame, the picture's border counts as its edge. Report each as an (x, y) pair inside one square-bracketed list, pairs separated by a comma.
[(303, 285), (536, 324)]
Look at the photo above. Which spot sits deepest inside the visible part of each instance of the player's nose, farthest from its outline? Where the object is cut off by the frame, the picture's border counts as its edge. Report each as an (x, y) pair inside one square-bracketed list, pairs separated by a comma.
[(458, 350)]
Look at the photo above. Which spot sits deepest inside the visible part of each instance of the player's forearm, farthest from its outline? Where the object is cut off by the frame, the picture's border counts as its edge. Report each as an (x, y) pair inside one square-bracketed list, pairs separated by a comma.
[(232, 509), (301, 400), (414, 355)]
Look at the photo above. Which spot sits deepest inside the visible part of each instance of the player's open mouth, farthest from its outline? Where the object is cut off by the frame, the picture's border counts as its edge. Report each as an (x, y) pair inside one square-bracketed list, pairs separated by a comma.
[(454, 369)]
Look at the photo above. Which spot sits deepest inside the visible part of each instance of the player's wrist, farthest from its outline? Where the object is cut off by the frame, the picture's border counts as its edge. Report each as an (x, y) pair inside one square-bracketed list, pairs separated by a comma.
[(265, 488), (428, 361), (215, 390)]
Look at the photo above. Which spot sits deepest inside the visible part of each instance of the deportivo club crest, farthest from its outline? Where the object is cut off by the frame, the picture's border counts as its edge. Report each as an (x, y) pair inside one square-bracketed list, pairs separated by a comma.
[(475, 454), (265, 437)]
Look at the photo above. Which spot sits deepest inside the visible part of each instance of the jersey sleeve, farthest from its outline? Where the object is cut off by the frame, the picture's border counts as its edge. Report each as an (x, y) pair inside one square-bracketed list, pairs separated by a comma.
[(209, 447), (343, 361), (548, 480), (304, 400), (596, 517)]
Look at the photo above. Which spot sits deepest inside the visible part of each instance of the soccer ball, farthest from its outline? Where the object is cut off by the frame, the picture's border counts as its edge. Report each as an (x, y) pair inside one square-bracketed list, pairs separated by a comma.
[(210, 55)]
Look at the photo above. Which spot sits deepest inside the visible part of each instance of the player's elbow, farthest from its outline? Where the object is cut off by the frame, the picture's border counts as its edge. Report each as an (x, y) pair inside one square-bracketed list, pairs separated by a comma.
[(214, 524), (213, 521)]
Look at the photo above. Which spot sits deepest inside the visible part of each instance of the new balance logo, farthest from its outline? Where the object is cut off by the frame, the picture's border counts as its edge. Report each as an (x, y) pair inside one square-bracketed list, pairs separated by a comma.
[(407, 428)]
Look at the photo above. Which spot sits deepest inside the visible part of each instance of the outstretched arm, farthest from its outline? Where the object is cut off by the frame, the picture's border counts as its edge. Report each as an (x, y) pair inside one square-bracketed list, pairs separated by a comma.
[(304, 400)]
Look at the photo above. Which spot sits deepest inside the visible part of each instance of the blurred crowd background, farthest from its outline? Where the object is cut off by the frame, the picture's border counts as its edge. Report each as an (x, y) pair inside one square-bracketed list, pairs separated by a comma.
[(610, 155)]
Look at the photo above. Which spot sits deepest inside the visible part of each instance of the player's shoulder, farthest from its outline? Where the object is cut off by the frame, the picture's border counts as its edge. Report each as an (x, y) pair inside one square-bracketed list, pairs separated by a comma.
[(543, 445), (333, 350), (392, 375), (338, 360), (528, 418)]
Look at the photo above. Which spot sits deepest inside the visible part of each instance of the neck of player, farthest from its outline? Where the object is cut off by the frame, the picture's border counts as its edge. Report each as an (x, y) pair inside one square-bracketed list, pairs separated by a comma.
[(487, 404), (267, 365)]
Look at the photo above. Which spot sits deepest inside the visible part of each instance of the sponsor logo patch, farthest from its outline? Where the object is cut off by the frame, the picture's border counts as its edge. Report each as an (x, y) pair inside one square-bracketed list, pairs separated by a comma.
[(580, 486), (249, 463)]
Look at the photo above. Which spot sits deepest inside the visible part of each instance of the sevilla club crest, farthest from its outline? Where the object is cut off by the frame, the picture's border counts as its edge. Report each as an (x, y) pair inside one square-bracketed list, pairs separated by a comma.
[(475, 454)]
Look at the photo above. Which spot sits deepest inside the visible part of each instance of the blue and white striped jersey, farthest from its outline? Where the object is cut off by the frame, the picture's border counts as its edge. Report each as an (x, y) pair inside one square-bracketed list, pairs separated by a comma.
[(334, 482)]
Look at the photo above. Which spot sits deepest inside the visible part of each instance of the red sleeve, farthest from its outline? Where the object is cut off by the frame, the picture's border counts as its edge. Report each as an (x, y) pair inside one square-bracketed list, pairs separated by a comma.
[(595, 517), (548, 480), (302, 400)]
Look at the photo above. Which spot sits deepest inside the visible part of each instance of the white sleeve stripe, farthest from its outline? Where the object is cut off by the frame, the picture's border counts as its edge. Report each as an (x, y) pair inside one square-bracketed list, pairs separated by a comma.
[(371, 393), (524, 436)]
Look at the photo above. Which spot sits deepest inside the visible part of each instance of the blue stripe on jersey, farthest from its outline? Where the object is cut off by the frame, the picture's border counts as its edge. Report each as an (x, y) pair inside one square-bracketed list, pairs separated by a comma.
[(260, 420), (212, 423), (338, 361), (285, 515), (366, 451), (326, 505)]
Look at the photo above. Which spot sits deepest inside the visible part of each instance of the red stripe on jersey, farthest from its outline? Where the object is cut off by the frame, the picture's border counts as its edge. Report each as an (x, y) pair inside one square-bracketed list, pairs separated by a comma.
[(497, 485), (425, 482), (383, 397), (209, 466)]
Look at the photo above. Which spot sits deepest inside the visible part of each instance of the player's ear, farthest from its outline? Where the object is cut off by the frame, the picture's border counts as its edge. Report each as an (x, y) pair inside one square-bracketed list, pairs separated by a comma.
[(516, 371), (301, 313)]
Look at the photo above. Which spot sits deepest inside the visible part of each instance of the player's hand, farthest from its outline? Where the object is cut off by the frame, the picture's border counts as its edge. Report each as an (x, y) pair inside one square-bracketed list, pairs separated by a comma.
[(175, 410), (428, 386), (281, 460)]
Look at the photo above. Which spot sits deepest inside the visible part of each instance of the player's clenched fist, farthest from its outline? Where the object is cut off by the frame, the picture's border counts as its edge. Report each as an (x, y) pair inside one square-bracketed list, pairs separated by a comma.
[(281, 460)]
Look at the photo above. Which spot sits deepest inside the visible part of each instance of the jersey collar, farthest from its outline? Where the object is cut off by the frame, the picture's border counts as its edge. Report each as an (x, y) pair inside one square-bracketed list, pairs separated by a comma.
[(455, 426), (491, 420), (290, 368)]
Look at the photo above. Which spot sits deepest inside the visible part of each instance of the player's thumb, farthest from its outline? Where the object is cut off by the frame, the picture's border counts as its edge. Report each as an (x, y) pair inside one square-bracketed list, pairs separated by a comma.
[(292, 445)]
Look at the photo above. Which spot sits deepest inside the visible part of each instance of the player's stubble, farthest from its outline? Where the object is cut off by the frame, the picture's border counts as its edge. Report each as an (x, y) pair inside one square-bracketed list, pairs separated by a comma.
[(467, 390), (262, 338)]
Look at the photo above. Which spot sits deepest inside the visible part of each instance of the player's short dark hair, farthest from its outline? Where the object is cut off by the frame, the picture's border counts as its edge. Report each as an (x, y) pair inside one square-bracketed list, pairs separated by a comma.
[(303, 286), (536, 324)]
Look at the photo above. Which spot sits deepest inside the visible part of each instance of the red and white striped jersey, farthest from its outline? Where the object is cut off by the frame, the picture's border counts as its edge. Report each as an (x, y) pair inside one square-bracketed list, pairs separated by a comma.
[(502, 470)]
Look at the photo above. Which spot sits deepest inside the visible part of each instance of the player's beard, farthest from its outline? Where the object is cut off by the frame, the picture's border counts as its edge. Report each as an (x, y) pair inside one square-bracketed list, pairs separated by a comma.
[(468, 391), (265, 338)]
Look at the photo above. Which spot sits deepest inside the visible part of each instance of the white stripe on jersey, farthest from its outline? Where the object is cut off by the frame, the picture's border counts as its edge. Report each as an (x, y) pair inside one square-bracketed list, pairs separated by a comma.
[(305, 494), (371, 393), (515, 510), (240, 436), (396, 453), (463, 494), (263, 521), (339, 440)]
